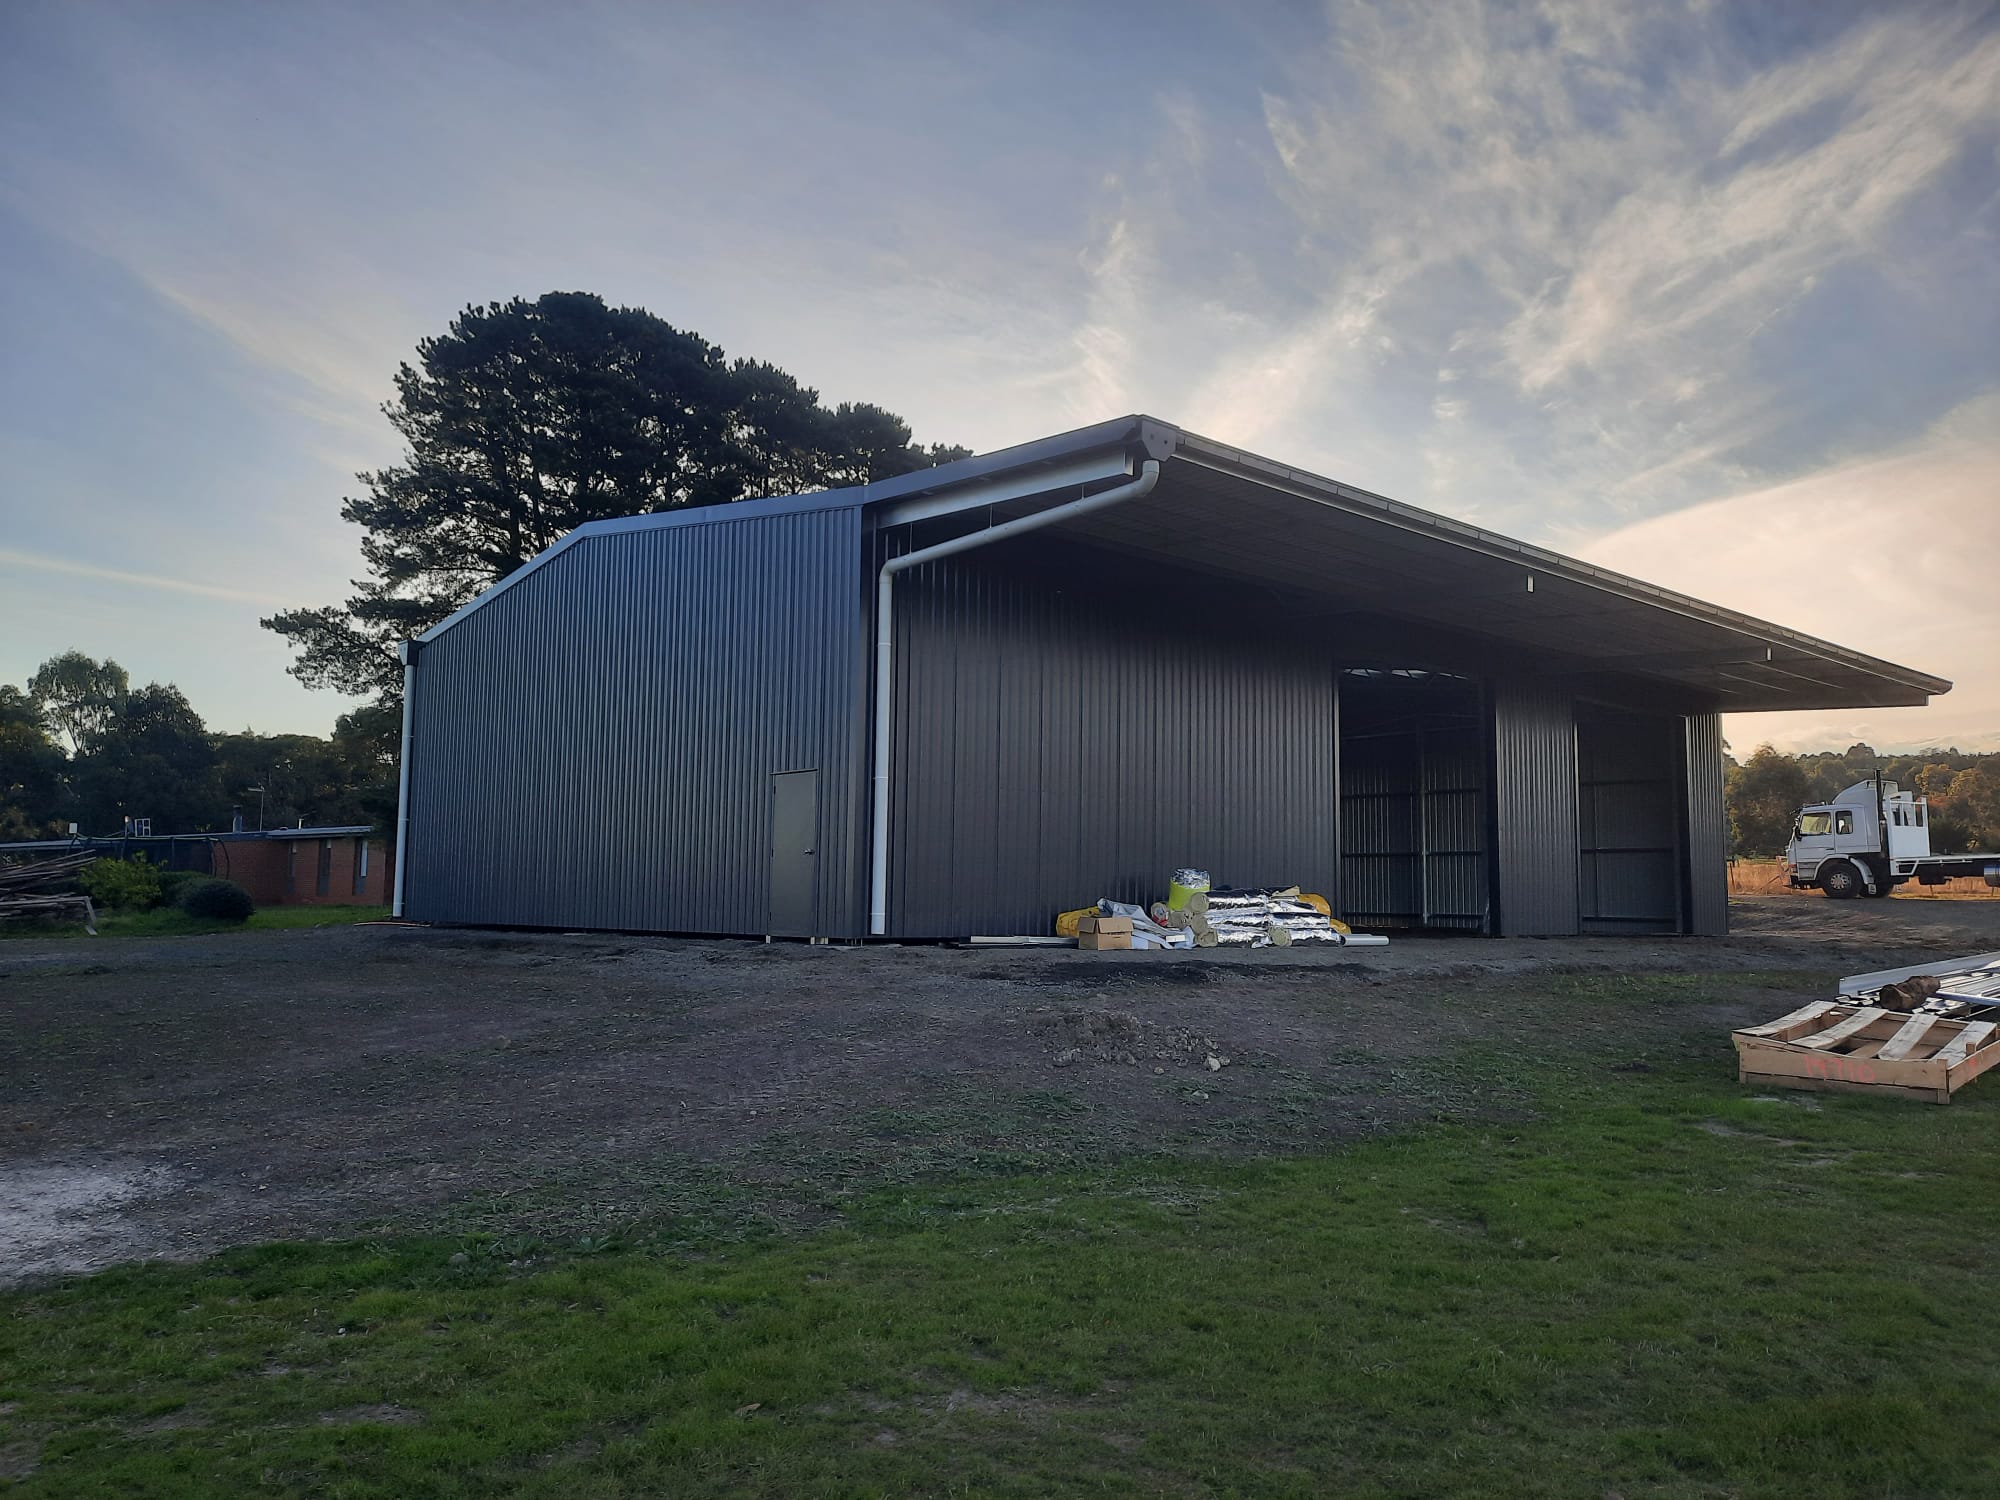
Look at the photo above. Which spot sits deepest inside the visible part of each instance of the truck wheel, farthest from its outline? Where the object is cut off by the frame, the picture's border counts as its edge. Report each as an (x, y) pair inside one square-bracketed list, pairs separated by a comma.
[(1840, 880)]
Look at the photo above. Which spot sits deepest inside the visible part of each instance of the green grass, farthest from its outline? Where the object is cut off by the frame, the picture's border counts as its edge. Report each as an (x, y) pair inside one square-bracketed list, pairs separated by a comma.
[(170, 921), (1659, 1285)]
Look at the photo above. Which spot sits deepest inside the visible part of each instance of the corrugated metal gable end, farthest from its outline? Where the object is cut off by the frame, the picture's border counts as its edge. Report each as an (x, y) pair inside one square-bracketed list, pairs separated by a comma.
[(593, 747)]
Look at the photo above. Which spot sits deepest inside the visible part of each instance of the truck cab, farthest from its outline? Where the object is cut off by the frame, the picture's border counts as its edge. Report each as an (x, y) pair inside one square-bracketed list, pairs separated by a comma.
[(1865, 842)]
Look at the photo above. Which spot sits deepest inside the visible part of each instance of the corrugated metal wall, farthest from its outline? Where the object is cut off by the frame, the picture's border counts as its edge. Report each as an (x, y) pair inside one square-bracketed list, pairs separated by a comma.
[(1413, 828), (593, 748), (1455, 852), (1629, 869), (1535, 812), (1707, 828), (1381, 830), (1058, 743)]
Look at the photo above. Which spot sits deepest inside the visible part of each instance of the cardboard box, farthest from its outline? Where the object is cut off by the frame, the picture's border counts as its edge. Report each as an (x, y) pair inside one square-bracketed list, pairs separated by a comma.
[(1104, 926), (1099, 941)]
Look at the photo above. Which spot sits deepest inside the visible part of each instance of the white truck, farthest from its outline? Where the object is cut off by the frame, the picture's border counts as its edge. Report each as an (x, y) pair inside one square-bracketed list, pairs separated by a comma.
[(1872, 838)]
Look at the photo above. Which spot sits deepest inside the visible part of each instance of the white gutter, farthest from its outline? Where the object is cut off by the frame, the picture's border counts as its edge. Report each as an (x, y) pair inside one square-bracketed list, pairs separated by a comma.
[(403, 780), (1092, 468), (885, 631)]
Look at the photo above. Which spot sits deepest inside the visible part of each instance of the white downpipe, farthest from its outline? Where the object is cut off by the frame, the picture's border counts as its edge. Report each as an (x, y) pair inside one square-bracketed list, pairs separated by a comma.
[(885, 632), (403, 781)]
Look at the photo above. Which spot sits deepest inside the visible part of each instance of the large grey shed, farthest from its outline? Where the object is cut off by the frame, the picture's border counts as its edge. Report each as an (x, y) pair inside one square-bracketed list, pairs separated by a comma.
[(960, 701)]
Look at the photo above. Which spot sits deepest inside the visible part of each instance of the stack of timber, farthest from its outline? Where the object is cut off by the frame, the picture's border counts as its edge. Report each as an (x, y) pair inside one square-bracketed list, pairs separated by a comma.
[(32, 889), (1868, 1049)]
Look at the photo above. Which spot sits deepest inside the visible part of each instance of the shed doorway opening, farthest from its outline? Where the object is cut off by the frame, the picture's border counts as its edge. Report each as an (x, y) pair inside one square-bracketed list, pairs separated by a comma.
[(1414, 805), (1629, 781)]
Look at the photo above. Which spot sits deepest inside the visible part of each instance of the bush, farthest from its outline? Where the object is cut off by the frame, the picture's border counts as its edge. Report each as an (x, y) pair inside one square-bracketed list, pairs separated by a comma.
[(126, 884), (219, 901), (174, 884)]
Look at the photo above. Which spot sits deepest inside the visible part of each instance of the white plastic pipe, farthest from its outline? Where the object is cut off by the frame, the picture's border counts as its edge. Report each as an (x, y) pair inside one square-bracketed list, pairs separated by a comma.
[(885, 661), (403, 781)]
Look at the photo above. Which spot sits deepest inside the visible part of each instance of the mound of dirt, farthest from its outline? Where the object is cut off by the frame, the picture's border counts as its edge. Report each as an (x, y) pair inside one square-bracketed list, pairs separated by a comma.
[(1121, 1038)]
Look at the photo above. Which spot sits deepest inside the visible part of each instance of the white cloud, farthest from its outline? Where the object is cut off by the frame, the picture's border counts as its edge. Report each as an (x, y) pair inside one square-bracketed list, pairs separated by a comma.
[(35, 563), (1104, 344), (1892, 556), (1702, 240), (1598, 243)]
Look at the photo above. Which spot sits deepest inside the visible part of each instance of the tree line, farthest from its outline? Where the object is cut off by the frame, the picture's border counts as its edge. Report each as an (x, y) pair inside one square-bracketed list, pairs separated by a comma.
[(79, 744), (1765, 792)]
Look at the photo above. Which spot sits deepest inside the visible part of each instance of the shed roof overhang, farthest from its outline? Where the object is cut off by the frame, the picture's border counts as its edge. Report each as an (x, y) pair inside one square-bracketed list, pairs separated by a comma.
[(1225, 512)]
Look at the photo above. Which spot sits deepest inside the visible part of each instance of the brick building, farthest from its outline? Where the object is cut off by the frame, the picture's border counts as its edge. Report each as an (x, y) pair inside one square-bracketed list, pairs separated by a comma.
[(307, 866), (349, 865)]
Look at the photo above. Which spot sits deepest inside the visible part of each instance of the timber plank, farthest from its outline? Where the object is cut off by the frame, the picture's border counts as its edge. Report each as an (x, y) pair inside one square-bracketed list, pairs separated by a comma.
[(1974, 1034), (1840, 1031), (1796, 1024), (1901, 1044)]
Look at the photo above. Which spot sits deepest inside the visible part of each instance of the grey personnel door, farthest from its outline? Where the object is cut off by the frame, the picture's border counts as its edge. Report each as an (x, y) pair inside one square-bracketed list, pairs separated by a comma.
[(794, 852)]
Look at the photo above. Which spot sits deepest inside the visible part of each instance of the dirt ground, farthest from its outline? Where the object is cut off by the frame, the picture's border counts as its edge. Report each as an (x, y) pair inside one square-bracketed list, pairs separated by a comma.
[(164, 1098)]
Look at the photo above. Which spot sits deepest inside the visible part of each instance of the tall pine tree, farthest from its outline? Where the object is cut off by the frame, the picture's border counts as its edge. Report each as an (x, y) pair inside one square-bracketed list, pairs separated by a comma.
[(526, 419)]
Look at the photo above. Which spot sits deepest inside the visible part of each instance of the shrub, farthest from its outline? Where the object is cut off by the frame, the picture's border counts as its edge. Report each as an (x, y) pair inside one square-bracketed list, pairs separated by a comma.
[(174, 884), (219, 901), (129, 884)]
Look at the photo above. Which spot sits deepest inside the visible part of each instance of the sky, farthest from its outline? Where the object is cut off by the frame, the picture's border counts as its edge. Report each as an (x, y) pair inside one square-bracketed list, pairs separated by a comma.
[(1708, 293)]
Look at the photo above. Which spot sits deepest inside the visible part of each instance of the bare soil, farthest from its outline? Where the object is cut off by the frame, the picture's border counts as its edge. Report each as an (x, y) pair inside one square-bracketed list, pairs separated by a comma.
[(164, 1098)]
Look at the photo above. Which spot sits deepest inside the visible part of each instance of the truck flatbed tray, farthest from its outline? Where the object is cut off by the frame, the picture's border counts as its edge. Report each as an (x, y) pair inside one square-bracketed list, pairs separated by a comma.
[(1866, 1049)]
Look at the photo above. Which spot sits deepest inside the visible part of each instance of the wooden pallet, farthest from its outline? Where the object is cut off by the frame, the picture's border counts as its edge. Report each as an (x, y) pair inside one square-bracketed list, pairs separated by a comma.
[(1867, 1049)]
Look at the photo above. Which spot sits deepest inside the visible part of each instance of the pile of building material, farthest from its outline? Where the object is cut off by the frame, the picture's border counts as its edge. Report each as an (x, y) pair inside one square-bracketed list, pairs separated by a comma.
[(1955, 987), (1915, 1033), (1147, 928), (35, 889), (1195, 915), (1251, 918), (1104, 932)]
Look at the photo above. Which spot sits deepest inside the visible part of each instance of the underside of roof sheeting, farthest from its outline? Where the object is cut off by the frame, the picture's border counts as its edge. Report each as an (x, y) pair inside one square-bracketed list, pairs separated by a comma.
[(1351, 553)]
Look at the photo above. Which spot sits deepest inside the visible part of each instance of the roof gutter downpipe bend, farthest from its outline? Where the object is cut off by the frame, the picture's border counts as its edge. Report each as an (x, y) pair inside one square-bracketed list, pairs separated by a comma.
[(885, 632)]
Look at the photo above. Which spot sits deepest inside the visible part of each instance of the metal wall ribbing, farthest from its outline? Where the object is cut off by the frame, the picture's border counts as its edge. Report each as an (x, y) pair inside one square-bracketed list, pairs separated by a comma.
[(1629, 866), (1413, 828), (593, 748), (1707, 828), (1058, 744), (1535, 808), (1381, 829), (1455, 821)]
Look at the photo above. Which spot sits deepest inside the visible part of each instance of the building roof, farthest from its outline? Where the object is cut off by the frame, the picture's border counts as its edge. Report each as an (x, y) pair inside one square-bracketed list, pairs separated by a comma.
[(1343, 551)]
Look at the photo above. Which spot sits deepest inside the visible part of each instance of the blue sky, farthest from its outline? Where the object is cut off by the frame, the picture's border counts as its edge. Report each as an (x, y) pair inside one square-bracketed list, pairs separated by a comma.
[(1709, 293)]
